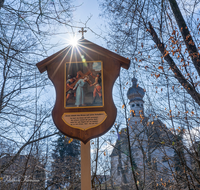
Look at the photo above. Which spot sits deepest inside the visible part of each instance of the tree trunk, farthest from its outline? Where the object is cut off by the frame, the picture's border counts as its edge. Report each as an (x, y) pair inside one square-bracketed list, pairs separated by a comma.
[(192, 49), (177, 73), (1, 3)]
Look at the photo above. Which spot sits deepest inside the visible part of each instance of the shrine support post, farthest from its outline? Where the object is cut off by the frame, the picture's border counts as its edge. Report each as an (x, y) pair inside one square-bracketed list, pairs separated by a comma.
[(85, 166)]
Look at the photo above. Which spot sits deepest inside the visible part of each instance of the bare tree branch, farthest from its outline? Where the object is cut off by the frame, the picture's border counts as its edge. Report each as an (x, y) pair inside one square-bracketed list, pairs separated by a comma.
[(177, 74), (192, 49)]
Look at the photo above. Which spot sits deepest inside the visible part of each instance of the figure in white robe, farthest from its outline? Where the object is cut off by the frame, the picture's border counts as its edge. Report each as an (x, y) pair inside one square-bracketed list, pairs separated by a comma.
[(80, 95)]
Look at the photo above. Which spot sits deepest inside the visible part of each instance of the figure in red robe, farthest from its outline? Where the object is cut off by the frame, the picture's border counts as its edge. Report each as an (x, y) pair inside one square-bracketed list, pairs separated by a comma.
[(97, 86)]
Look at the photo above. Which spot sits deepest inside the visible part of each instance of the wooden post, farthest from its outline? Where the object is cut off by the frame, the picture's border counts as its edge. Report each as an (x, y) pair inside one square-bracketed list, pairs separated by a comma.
[(85, 166)]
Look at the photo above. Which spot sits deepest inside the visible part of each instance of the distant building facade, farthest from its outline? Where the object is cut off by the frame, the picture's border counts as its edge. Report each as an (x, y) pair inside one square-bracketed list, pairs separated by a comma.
[(151, 145), (25, 173)]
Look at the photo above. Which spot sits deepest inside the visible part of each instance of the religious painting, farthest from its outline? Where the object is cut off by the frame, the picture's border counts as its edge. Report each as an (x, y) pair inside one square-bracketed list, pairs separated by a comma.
[(84, 84)]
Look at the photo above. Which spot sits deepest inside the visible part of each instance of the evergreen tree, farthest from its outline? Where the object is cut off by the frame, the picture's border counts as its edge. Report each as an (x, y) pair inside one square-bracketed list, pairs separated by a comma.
[(66, 163)]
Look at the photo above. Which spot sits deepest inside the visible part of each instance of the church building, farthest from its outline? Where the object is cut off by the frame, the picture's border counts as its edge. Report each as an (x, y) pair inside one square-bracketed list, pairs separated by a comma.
[(150, 144)]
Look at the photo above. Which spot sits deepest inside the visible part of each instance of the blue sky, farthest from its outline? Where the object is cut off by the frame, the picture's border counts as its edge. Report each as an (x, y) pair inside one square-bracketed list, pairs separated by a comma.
[(89, 9), (85, 9), (86, 15)]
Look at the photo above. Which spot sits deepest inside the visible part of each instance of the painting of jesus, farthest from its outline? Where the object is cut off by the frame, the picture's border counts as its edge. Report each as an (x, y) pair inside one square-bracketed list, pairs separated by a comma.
[(84, 84)]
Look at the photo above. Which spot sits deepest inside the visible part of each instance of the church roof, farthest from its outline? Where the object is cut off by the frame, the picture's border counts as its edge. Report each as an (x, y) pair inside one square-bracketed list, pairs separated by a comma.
[(158, 135), (121, 143)]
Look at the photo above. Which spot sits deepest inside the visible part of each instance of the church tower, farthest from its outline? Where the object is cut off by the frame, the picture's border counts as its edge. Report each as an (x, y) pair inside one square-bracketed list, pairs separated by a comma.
[(148, 153), (135, 94)]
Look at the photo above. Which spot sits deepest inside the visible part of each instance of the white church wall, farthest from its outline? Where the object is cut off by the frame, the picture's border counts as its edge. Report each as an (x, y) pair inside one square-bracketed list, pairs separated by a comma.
[(159, 166), (115, 173)]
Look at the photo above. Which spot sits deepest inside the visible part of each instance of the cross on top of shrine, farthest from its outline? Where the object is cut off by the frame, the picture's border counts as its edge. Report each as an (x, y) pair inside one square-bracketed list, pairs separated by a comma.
[(82, 31)]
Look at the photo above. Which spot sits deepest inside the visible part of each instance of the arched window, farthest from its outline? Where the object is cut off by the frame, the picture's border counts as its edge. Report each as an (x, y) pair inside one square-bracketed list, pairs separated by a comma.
[(138, 105), (118, 169), (133, 105), (154, 160)]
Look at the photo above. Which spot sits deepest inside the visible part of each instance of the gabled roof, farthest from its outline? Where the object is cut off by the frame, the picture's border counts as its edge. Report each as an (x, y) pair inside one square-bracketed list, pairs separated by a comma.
[(121, 144), (156, 132), (83, 46)]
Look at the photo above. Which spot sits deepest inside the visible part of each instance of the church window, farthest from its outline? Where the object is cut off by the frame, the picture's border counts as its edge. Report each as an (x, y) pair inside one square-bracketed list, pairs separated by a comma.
[(126, 168), (165, 170), (165, 158), (118, 169), (138, 105), (133, 105), (133, 114), (142, 105), (154, 160)]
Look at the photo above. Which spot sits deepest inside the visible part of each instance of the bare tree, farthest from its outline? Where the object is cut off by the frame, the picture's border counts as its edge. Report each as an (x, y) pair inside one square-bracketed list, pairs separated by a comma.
[(26, 28), (162, 40)]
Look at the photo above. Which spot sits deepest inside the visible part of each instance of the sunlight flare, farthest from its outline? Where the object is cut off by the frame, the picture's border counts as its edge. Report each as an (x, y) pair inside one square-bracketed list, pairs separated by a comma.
[(73, 41)]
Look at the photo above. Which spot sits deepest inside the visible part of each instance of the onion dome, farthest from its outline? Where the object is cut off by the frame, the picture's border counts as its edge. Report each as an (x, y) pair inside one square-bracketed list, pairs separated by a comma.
[(135, 92)]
